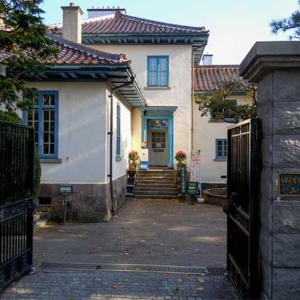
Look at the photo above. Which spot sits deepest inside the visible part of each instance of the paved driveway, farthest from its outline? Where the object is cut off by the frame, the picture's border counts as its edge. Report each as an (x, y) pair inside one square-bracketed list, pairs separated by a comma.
[(155, 249), (146, 232)]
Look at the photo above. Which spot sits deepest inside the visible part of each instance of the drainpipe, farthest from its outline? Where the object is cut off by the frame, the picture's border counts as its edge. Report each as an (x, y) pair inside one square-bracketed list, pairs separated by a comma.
[(111, 129), (192, 100), (193, 95)]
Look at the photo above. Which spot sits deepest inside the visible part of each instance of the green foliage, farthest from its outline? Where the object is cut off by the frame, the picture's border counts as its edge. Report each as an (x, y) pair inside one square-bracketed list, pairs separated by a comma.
[(26, 51), (217, 106), (290, 23), (11, 116)]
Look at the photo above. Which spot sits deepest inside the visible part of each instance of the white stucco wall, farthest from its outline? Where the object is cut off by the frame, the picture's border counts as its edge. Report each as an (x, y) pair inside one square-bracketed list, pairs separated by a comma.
[(179, 93), (82, 141), (205, 135), (136, 129)]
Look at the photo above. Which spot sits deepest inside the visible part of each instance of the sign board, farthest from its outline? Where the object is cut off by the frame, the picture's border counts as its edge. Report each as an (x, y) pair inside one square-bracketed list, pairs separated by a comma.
[(195, 166), (192, 188), (144, 157), (66, 188), (182, 179), (289, 185)]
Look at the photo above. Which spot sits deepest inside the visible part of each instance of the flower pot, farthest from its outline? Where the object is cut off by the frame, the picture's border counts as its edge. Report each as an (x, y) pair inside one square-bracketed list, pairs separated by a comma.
[(132, 166)]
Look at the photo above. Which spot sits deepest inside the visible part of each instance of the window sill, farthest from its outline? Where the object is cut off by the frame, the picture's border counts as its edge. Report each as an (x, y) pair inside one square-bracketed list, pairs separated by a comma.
[(50, 160), (157, 88), (118, 158), (220, 159)]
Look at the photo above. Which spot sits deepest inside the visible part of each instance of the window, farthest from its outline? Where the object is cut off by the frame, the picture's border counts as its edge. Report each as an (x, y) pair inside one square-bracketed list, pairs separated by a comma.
[(118, 151), (44, 118), (218, 110), (158, 140), (221, 149), (158, 71)]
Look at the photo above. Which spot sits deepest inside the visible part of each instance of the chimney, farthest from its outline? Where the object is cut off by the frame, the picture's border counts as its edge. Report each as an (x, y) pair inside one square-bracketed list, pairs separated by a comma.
[(207, 59), (72, 22)]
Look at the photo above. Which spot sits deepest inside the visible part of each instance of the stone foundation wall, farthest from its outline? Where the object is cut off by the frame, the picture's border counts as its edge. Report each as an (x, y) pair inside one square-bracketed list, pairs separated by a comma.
[(87, 202)]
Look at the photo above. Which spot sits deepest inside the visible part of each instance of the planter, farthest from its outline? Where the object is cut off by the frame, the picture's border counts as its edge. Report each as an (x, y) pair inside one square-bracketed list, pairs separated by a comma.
[(132, 166), (131, 175), (210, 196)]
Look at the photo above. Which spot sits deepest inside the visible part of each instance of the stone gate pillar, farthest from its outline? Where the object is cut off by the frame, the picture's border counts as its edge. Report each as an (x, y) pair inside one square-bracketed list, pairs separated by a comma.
[(275, 67)]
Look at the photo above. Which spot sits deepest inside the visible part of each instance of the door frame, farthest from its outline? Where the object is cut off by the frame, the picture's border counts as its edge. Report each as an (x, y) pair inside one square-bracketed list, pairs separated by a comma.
[(160, 113)]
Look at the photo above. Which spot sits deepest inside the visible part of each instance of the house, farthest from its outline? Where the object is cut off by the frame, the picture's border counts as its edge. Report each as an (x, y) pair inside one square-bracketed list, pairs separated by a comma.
[(211, 134), (162, 56), (119, 82), (82, 125)]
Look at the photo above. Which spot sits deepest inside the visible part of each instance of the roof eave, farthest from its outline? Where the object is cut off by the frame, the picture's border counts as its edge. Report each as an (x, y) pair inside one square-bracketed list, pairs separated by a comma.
[(116, 76), (144, 38), (209, 93)]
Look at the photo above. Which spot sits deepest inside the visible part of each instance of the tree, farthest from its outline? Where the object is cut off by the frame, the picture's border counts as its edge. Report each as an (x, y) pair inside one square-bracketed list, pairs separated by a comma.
[(25, 51), (290, 23), (217, 105)]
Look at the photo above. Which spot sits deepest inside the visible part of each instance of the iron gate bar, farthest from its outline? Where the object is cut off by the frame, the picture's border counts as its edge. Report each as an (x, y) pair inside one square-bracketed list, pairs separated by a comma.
[(16, 200), (243, 186)]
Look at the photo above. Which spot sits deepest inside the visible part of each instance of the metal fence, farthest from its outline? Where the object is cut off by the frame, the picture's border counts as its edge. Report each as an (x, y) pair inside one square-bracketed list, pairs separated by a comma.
[(16, 200)]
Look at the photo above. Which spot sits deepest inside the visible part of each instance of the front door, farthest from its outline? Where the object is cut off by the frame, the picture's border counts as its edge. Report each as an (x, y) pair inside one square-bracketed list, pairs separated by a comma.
[(158, 147)]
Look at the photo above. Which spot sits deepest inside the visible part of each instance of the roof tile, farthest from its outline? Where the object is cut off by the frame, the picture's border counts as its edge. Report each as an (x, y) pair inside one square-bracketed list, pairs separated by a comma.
[(71, 53), (207, 76), (125, 24)]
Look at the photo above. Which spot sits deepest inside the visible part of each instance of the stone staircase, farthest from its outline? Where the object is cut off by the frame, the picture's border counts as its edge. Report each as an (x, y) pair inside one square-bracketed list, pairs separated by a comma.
[(156, 183)]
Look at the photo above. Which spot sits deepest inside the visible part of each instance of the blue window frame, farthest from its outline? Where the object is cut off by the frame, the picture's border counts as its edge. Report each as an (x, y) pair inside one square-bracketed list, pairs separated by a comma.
[(158, 71), (217, 110), (44, 118), (118, 150), (221, 149)]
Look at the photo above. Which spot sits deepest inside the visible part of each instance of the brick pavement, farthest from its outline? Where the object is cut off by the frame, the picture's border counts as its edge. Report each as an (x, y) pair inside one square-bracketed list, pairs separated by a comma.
[(118, 285)]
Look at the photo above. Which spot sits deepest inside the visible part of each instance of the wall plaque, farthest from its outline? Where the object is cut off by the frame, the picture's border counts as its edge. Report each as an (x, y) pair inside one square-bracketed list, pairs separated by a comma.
[(182, 179), (289, 185)]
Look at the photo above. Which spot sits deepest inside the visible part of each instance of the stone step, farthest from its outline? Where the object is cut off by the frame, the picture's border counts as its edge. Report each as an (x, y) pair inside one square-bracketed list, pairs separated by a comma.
[(157, 184), (155, 181), (155, 173), (156, 177), (156, 196), (156, 190)]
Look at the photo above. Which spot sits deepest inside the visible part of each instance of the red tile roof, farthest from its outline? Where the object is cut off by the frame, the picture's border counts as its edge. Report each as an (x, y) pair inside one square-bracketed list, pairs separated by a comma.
[(71, 53), (77, 54), (125, 24), (206, 77)]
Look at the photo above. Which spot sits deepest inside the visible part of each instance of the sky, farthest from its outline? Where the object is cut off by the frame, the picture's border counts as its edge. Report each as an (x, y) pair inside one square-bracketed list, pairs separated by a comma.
[(234, 25)]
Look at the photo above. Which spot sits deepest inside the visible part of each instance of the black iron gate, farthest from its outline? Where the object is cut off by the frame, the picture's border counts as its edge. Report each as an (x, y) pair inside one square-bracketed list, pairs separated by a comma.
[(243, 186), (16, 200)]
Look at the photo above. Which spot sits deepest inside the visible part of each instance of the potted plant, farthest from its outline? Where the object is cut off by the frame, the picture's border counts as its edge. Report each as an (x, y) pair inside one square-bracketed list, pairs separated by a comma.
[(180, 157), (133, 157)]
